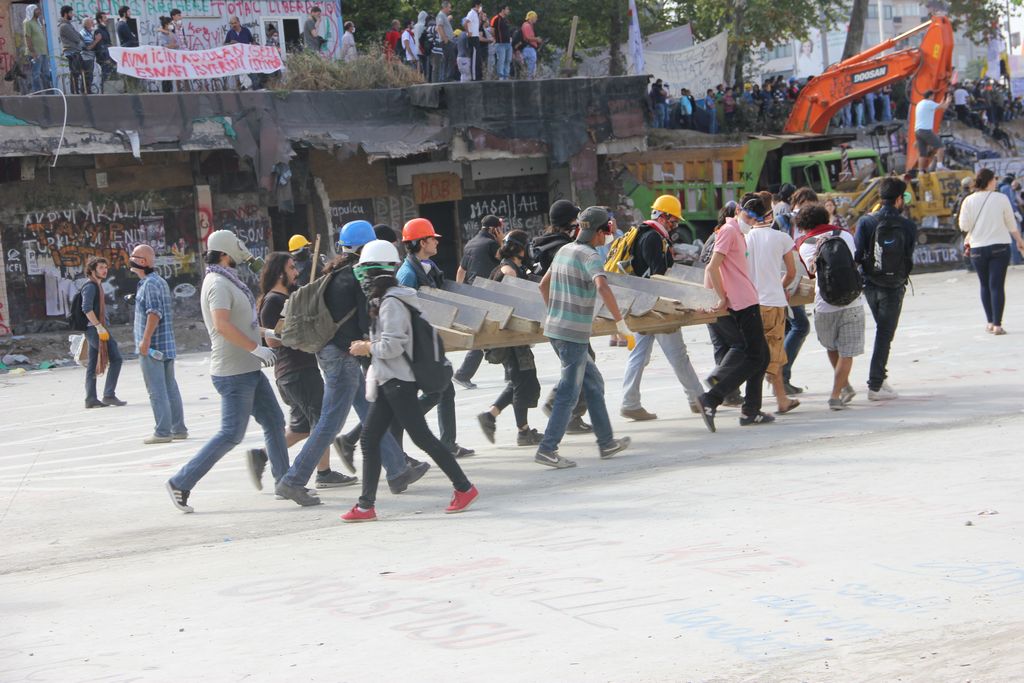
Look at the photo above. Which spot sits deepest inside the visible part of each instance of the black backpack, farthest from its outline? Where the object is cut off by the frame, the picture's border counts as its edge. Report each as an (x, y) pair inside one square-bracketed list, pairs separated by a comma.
[(430, 367), (400, 47), (76, 316), (885, 264), (839, 281), (517, 39)]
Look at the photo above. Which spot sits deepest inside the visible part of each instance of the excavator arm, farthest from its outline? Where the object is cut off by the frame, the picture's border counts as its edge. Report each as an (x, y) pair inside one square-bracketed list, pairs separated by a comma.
[(930, 66)]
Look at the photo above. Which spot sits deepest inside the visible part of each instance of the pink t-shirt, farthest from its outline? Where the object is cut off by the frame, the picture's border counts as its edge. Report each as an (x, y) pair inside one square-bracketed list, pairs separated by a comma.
[(739, 290)]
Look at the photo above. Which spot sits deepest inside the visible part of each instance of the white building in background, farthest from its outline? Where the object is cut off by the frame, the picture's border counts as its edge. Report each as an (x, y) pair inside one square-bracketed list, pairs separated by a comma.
[(811, 57)]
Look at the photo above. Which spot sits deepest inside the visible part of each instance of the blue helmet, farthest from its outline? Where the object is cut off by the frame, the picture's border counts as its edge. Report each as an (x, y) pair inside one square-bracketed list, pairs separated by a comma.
[(355, 234)]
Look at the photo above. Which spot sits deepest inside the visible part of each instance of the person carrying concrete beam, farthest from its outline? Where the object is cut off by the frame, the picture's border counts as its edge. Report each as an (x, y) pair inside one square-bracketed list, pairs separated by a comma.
[(421, 244), (651, 254), (570, 290)]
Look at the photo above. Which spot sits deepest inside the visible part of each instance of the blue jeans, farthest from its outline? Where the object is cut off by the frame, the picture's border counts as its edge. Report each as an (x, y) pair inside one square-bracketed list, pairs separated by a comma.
[(858, 110), (530, 57), (886, 108), (990, 263), (503, 55), (846, 115), (113, 366), (799, 328), (869, 107), (660, 114), (579, 372), (240, 396), (344, 388), (164, 397), (674, 348), (37, 72)]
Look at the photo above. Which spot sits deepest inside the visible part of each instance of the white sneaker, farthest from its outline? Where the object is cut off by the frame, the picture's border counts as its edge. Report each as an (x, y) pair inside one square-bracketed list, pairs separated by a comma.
[(884, 393)]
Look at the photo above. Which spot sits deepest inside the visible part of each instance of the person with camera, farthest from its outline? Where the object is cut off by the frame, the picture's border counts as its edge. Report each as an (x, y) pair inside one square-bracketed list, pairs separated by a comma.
[(311, 39), (72, 45)]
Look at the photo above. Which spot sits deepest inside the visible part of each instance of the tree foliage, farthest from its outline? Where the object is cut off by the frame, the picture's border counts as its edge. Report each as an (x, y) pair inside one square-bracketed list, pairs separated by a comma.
[(604, 23), (601, 21)]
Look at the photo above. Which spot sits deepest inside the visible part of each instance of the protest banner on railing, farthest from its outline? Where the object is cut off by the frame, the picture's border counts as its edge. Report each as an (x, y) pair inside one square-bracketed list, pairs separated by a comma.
[(161, 64)]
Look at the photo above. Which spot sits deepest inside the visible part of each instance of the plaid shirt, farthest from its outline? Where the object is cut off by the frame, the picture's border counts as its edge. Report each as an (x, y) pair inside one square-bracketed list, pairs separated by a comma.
[(154, 296)]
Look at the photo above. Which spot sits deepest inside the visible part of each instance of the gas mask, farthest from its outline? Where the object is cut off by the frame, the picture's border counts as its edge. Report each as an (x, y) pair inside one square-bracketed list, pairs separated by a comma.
[(227, 242), (138, 266)]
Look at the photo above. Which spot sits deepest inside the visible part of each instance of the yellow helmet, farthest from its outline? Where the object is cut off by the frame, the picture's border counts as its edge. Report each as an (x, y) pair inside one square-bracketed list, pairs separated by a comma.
[(297, 242), (666, 203)]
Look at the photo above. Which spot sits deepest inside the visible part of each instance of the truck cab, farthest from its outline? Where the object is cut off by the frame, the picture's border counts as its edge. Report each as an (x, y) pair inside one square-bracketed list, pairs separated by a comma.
[(834, 173)]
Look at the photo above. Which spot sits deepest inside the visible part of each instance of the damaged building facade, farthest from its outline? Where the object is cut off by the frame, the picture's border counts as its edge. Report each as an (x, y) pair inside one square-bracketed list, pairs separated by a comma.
[(169, 169)]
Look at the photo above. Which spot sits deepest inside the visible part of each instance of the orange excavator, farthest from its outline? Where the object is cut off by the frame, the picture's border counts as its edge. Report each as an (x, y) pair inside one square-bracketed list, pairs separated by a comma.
[(930, 66)]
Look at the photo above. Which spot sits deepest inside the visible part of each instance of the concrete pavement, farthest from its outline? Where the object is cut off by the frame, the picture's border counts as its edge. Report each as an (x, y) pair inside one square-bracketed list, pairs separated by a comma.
[(828, 546)]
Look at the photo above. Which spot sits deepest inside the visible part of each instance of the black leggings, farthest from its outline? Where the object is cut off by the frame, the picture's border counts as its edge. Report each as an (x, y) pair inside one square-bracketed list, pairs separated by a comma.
[(397, 400), (522, 391)]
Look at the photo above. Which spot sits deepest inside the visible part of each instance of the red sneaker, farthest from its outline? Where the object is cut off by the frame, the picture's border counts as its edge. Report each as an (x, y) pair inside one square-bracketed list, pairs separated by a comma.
[(461, 501), (357, 515)]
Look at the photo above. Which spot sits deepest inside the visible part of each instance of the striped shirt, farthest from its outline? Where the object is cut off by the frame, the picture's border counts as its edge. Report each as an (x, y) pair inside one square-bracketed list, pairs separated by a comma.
[(154, 296), (573, 293)]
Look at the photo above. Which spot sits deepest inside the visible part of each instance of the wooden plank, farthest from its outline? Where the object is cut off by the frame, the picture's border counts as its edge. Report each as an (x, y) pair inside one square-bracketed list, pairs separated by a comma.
[(455, 340), (528, 305), (467, 317), (437, 313), (499, 313)]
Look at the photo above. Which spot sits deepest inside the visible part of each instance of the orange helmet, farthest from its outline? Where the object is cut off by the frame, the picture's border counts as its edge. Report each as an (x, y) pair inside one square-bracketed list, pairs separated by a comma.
[(417, 229)]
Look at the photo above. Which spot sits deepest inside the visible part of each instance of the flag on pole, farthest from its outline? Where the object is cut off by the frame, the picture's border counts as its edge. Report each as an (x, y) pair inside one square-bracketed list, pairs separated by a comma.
[(636, 41)]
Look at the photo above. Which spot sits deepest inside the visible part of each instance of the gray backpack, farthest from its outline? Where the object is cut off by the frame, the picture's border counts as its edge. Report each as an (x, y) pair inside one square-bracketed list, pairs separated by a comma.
[(306, 322)]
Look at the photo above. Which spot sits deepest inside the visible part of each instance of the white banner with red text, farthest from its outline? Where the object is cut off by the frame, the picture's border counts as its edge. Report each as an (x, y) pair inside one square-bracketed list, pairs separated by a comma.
[(161, 64)]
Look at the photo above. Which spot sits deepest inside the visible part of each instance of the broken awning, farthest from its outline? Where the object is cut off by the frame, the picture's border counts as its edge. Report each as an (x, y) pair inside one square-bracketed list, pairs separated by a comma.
[(262, 126)]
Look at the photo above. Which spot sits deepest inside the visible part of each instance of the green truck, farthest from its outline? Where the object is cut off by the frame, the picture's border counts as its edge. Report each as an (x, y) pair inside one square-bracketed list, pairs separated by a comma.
[(706, 178)]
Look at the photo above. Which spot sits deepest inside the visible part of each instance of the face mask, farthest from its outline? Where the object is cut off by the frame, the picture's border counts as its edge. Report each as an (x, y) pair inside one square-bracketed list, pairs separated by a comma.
[(138, 266), (608, 239), (744, 228)]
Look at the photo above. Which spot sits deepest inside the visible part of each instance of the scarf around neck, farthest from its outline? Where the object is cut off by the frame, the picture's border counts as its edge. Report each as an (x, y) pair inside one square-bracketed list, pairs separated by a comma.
[(232, 276)]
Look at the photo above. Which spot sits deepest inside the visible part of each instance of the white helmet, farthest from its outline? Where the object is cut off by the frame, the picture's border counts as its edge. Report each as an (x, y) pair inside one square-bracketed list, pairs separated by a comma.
[(379, 251), (229, 243)]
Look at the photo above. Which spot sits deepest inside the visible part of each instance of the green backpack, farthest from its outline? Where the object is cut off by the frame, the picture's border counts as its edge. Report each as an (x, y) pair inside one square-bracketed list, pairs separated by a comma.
[(306, 322)]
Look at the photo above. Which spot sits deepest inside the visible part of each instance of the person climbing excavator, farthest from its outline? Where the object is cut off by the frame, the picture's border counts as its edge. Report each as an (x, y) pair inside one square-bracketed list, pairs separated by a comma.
[(929, 66)]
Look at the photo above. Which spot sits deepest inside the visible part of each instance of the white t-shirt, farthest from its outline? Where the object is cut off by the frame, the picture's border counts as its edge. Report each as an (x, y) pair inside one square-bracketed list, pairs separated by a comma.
[(412, 50), (987, 218), (766, 249), (960, 97), (226, 359), (472, 23), (924, 115), (808, 250)]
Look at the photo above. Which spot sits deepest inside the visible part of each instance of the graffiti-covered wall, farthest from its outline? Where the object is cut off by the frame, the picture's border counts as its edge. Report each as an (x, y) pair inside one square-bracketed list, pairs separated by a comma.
[(48, 237), (242, 214), (205, 22)]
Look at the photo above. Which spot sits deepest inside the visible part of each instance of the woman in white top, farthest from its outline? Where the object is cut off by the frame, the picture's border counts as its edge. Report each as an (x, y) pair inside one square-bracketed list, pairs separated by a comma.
[(987, 218)]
